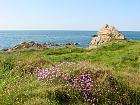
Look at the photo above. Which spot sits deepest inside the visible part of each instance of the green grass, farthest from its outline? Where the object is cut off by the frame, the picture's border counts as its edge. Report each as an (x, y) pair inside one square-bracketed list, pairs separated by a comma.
[(119, 62)]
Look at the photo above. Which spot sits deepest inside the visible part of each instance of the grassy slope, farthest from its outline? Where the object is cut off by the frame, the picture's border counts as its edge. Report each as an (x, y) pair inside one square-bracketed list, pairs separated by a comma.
[(122, 58)]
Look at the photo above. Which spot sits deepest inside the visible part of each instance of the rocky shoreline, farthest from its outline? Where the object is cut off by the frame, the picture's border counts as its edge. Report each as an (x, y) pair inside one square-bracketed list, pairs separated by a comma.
[(104, 35), (35, 45)]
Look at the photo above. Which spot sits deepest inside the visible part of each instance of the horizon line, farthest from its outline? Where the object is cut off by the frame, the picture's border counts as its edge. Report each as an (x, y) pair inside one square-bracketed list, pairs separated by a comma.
[(56, 30)]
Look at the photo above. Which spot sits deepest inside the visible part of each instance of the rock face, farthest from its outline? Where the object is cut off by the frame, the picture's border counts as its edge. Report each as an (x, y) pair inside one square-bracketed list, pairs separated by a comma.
[(106, 34)]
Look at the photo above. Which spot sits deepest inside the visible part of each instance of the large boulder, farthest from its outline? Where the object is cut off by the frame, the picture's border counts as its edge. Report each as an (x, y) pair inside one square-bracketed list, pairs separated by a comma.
[(106, 34)]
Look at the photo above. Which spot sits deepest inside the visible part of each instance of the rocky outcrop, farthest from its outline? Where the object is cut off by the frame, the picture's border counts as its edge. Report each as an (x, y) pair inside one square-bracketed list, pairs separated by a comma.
[(31, 44), (106, 34), (34, 45), (25, 45)]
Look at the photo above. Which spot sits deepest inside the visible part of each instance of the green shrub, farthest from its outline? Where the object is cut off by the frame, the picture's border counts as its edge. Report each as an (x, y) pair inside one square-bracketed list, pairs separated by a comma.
[(8, 64)]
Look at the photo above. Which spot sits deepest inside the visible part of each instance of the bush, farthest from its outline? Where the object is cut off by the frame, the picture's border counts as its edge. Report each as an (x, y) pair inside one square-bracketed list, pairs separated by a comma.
[(7, 65)]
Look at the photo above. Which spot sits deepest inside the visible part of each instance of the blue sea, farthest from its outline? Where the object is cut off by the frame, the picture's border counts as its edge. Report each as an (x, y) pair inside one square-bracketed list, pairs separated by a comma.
[(9, 39)]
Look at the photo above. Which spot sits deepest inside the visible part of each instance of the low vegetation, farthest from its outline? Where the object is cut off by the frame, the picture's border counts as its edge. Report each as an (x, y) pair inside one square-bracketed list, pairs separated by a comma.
[(72, 76)]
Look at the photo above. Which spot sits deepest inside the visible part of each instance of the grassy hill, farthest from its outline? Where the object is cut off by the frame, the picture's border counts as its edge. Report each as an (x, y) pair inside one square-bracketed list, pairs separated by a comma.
[(115, 70)]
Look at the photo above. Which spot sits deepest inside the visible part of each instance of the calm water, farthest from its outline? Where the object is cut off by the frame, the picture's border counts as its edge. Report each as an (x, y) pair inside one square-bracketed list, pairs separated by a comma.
[(11, 38)]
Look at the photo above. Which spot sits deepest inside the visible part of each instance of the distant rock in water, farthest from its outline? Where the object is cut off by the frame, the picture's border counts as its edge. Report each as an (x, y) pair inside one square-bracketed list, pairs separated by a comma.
[(106, 34), (31, 44), (25, 45), (34, 45)]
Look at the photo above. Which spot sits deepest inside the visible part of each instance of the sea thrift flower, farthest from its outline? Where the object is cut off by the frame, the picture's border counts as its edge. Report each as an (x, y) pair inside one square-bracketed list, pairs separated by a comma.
[(53, 72), (83, 82)]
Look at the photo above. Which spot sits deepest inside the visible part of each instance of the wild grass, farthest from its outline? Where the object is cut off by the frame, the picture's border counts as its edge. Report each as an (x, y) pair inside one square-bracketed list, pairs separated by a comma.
[(116, 67)]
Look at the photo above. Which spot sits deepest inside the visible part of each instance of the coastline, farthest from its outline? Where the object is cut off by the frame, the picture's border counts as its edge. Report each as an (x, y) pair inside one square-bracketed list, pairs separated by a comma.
[(11, 39)]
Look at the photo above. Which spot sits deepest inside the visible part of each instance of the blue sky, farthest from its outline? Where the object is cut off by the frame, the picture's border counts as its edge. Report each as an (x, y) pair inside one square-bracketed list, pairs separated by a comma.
[(69, 14)]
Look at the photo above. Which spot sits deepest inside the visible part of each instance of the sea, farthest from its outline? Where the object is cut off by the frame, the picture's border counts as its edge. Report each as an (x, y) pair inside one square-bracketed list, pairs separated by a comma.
[(9, 39)]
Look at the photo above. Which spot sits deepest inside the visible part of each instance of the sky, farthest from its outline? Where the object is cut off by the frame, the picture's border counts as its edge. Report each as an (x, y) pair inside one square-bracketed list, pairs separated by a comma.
[(69, 14)]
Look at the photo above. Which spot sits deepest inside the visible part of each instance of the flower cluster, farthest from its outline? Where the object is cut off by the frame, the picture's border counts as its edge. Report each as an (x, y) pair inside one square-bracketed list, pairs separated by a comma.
[(50, 73), (53, 72), (82, 82)]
